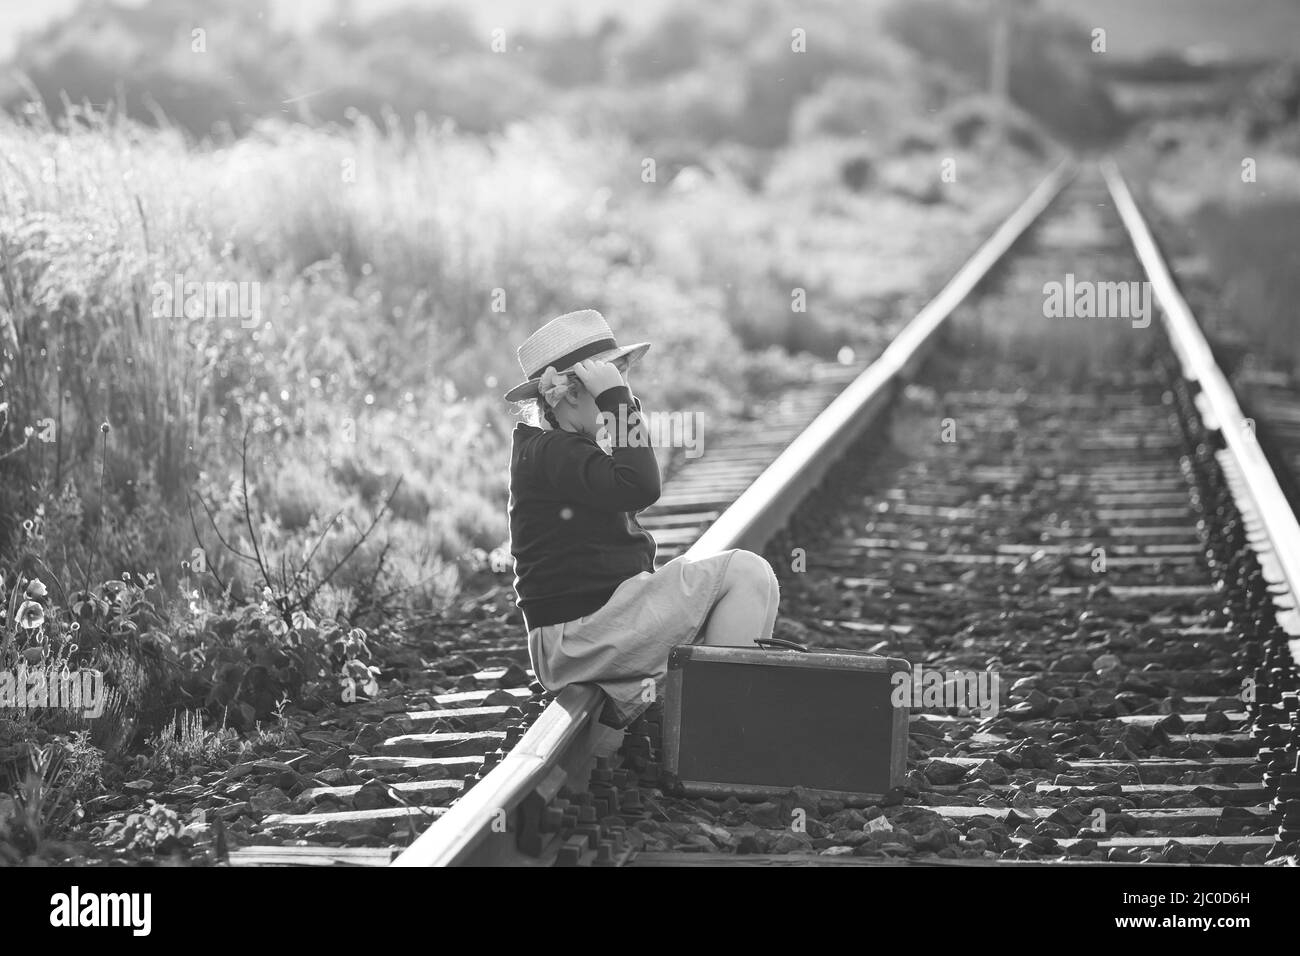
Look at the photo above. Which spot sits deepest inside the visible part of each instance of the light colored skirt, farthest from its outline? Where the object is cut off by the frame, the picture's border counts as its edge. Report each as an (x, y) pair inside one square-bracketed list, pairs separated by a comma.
[(623, 647)]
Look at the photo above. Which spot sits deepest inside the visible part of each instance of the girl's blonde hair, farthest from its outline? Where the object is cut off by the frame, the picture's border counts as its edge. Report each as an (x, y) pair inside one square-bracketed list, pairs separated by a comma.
[(536, 412)]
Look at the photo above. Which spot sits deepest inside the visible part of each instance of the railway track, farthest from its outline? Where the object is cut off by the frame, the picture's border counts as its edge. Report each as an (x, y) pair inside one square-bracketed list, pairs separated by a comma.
[(1054, 501), (421, 745)]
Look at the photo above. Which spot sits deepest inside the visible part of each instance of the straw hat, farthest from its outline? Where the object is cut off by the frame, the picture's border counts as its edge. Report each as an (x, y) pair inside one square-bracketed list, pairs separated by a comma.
[(564, 342)]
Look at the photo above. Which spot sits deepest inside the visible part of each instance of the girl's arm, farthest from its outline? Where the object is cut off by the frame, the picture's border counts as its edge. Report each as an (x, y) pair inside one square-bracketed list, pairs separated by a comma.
[(627, 479)]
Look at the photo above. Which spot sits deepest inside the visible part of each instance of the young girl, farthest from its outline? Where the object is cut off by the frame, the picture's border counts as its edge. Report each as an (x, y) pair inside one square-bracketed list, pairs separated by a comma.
[(596, 609)]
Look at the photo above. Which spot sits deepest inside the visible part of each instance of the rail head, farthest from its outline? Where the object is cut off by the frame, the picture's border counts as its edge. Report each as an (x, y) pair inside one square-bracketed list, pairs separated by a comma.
[(459, 835), (1218, 405)]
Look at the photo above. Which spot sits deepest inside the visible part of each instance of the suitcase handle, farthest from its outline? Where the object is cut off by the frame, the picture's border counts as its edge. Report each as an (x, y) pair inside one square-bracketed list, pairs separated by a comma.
[(780, 643)]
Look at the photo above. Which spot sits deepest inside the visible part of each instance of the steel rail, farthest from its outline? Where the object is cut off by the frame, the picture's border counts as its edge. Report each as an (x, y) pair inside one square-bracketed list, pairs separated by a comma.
[(1220, 411), (476, 829)]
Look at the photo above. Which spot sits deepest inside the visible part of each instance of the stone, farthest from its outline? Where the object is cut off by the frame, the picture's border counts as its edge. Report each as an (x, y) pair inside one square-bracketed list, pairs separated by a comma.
[(932, 840), (758, 841), (1176, 853), (1067, 709), (837, 851), (850, 819), (232, 811), (1024, 685), (1216, 722), (988, 771), (895, 849), (372, 796), (722, 837), (1106, 662), (1071, 663), (940, 772), (458, 666), (1173, 724), (850, 838), (269, 800), (766, 814), (1007, 759), (1219, 853), (515, 676), (790, 843), (1068, 816)]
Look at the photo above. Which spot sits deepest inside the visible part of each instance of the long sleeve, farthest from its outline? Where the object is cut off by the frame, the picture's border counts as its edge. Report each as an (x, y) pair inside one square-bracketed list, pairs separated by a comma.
[(625, 480)]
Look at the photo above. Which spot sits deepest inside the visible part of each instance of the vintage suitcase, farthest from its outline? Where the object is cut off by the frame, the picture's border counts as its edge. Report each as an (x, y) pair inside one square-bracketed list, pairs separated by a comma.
[(755, 722)]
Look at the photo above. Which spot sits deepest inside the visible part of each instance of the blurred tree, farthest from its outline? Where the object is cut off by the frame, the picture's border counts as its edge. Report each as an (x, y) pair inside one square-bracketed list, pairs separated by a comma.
[(1048, 76)]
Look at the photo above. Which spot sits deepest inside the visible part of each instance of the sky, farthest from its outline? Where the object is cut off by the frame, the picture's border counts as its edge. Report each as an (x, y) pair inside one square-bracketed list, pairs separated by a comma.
[(1134, 27)]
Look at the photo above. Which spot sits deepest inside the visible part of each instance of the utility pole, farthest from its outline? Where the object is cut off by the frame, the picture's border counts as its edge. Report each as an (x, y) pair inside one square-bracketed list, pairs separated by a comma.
[(1000, 64)]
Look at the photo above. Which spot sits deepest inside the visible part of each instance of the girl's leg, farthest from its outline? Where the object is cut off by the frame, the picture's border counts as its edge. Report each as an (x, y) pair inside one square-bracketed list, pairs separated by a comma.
[(746, 605)]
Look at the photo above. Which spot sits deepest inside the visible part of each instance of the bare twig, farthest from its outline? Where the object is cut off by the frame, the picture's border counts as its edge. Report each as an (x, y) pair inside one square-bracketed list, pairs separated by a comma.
[(99, 525), (355, 545), (316, 547), (217, 531), (252, 534), (211, 565)]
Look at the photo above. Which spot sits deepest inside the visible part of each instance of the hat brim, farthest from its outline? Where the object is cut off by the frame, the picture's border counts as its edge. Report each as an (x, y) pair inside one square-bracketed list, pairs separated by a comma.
[(526, 390)]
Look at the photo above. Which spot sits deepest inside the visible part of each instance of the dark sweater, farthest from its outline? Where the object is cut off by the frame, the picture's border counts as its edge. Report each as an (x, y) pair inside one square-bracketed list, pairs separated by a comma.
[(573, 528)]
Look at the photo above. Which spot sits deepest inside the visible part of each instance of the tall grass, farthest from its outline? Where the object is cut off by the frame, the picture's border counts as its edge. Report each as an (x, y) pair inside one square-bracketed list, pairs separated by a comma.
[(396, 271), (397, 268)]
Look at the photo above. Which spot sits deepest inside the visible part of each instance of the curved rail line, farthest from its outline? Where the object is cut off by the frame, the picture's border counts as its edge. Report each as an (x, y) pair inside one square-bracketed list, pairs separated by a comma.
[(500, 820)]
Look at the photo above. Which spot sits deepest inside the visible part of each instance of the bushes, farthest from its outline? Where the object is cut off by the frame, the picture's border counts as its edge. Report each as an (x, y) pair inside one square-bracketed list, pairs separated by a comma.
[(241, 666), (642, 76), (876, 110), (156, 654), (971, 122), (50, 785), (1271, 106), (115, 627)]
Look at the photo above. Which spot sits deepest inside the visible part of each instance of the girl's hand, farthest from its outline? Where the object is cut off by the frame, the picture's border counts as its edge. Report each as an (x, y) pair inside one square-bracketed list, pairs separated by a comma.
[(597, 377)]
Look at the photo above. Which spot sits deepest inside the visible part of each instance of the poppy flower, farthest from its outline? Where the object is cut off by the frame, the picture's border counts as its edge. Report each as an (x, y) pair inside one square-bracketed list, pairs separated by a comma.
[(30, 615)]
